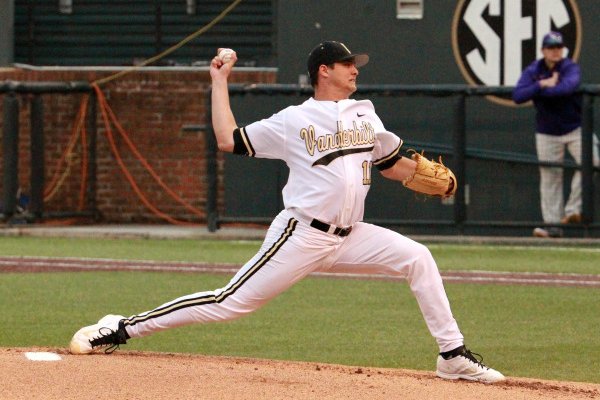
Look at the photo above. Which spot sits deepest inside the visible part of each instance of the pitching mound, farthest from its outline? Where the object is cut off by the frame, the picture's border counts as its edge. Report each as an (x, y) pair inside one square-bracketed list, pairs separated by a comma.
[(141, 375)]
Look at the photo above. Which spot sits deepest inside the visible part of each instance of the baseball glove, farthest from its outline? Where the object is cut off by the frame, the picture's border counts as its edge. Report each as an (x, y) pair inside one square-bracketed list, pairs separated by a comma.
[(431, 177)]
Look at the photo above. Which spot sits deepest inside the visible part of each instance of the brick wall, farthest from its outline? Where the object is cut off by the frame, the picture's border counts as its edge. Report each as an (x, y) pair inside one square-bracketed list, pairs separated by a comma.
[(152, 106)]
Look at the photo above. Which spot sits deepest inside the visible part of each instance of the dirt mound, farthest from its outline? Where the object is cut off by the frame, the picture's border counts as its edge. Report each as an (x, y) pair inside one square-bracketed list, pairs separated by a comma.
[(143, 375)]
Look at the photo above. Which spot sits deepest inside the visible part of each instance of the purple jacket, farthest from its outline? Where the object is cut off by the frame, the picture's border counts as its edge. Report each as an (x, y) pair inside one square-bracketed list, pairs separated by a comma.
[(558, 109)]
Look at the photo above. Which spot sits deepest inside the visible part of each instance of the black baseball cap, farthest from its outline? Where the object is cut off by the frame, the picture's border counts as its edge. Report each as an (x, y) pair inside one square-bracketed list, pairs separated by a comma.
[(330, 52), (552, 39)]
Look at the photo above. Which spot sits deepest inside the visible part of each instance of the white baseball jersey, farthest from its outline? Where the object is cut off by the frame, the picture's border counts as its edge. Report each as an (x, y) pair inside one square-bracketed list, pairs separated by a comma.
[(329, 148)]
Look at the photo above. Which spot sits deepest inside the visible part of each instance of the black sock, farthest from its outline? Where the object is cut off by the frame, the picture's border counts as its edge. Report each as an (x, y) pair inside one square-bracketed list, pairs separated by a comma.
[(448, 355)]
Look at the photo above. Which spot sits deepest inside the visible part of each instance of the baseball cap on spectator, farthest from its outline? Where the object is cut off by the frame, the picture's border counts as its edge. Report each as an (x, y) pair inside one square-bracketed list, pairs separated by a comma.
[(329, 52), (552, 39)]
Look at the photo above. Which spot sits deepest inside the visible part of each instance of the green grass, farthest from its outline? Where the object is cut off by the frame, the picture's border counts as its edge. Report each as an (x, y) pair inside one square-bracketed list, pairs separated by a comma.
[(449, 257), (541, 332), (131, 249), (580, 260)]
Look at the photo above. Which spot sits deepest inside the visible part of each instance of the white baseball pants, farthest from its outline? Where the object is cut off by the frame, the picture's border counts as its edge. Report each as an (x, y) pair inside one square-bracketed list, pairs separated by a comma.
[(552, 149), (292, 250)]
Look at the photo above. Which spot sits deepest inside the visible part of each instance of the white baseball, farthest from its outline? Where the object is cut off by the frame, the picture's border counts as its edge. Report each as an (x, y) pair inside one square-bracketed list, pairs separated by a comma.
[(225, 55)]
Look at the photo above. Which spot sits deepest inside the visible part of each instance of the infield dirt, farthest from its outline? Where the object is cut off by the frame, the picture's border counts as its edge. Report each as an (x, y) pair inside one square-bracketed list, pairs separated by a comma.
[(143, 375)]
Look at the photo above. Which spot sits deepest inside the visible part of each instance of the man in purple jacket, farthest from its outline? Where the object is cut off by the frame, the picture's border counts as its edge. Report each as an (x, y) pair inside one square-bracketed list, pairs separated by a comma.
[(551, 83)]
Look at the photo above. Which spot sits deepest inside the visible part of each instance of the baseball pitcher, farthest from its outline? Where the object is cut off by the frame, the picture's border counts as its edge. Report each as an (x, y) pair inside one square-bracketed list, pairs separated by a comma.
[(331, 144)]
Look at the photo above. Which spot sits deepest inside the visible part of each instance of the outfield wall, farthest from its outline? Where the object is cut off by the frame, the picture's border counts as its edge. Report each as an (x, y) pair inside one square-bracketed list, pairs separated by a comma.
[(153, 105)]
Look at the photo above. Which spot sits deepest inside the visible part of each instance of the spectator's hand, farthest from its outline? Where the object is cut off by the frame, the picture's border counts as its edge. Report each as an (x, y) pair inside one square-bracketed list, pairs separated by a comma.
[(549, 82)]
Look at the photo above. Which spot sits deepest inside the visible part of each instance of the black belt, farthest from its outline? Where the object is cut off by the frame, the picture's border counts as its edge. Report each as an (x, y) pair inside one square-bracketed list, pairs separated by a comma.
[(322, 226)]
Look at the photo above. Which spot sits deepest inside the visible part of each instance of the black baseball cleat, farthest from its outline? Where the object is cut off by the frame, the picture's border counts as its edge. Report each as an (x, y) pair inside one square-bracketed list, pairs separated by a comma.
[(460, 363), (107, 334)]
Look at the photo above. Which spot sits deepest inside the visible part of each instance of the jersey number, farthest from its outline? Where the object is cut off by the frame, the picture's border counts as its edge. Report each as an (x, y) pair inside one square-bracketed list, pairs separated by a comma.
[(366, 168)]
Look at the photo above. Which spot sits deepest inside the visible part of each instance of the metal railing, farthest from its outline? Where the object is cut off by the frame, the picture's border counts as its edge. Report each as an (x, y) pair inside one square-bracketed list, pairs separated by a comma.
[(458, 149)]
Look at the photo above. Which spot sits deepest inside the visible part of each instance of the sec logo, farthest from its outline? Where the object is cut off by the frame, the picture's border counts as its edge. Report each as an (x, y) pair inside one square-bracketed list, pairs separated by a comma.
[(494, 40)]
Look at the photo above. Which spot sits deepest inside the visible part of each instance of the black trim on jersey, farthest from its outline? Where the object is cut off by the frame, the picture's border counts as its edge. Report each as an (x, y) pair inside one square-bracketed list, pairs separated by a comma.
[(230, 289), (389, 160), (326, 159), (241, 143)]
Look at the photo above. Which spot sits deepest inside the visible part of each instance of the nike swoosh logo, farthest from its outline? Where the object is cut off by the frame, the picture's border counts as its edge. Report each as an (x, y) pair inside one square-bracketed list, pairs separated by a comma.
[(360, 115)]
